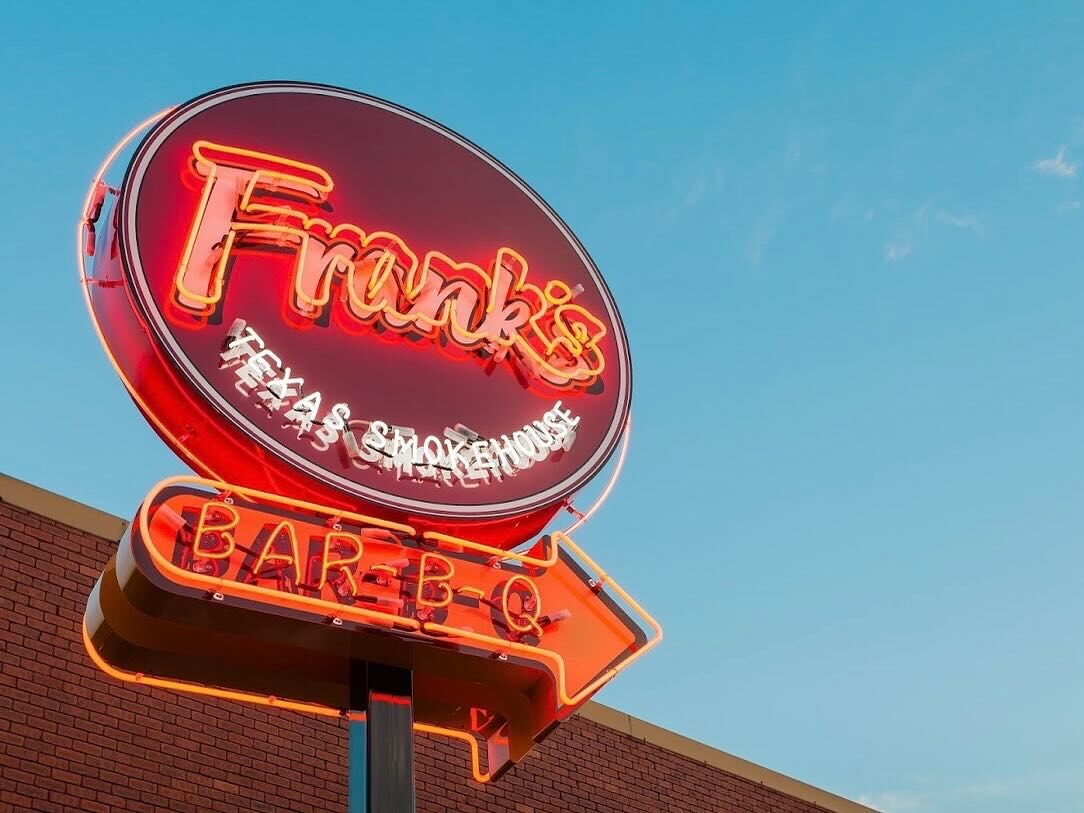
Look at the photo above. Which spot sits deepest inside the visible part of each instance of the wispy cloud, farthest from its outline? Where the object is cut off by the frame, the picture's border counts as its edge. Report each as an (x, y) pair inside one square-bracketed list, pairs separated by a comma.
[(1068, 206), (894, 801), (692, 191), (842, 212), (897, 250), (695, 192), (905, 801), (1058, 166), (922, 215), (909, 232), (961, 221), (763, 232)]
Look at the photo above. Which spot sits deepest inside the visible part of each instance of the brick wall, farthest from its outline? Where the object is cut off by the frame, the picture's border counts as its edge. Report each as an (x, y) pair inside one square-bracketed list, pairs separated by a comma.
[(73, 739)]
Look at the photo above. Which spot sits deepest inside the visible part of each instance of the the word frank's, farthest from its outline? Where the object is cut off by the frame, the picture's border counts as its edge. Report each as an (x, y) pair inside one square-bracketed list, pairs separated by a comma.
[(259, 201)]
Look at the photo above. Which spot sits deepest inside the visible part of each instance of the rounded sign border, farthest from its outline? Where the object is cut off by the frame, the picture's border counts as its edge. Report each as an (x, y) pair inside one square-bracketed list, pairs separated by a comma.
[(152, 316)]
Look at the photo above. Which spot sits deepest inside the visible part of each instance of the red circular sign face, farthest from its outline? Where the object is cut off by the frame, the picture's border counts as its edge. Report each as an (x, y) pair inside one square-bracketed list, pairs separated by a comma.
[(365, 302)]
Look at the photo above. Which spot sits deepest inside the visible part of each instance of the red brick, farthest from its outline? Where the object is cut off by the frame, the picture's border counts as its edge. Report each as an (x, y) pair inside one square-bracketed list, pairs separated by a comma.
[(73, 739)]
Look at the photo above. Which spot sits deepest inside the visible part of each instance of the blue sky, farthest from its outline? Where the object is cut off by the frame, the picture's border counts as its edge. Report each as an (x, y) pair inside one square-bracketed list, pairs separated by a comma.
[(862, 460)]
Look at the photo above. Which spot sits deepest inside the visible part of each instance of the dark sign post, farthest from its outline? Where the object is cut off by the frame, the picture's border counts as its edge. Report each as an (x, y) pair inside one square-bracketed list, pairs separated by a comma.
[(390, 740), (393, 365), (381, 747), (357, 772), (357, 776)]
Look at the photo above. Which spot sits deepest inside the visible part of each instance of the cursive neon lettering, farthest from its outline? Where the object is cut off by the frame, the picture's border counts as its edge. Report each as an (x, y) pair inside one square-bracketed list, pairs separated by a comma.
[(259, 200)]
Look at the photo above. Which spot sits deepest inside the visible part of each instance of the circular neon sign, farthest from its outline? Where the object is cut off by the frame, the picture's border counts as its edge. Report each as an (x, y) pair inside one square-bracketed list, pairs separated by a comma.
[(313, 291)]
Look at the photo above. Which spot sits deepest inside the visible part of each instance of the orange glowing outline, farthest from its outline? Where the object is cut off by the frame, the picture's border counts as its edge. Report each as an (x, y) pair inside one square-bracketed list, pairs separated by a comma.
[(554, 658), (274, 702), (440, 580), (326, 565), (221, 530), (458, 543), (208, 168), (573, 339), (415, 286), (570, 339), (362, 615), (320, 189), (323, 183), (268, 554), (199, 688), (475, 756), (186, 255), (255, 591), (531, 624), (322, 606), (382, 270)]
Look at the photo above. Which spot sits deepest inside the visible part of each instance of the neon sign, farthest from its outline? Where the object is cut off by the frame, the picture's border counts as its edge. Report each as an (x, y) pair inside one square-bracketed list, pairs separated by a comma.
[(386, 272), (385, 423), (199, 548)]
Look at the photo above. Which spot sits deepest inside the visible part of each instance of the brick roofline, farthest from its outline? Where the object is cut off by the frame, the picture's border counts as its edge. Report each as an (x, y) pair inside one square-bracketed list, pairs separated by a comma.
[(99, 523)]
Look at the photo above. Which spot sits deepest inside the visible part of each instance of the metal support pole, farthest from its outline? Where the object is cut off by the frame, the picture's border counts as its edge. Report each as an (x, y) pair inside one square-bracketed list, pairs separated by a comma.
[(390, 740), (357, 785), (380, 775)]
